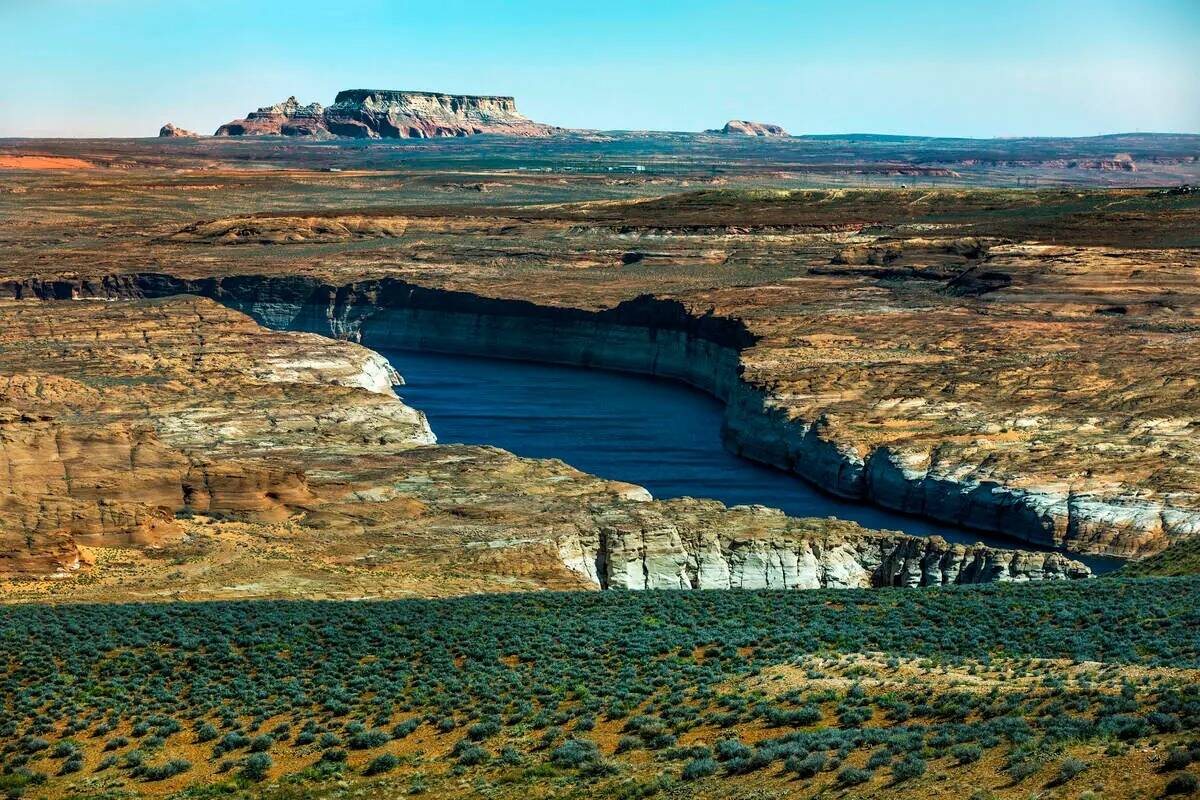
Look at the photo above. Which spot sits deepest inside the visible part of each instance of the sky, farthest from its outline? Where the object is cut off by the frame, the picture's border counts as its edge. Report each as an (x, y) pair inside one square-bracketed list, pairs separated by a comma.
[(978, 68)]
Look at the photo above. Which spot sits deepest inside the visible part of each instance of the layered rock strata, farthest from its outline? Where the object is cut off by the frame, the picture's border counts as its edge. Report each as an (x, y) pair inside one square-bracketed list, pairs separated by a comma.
[(662, 337), (388, 114), (281, 463), (115, 417), (674, 545)]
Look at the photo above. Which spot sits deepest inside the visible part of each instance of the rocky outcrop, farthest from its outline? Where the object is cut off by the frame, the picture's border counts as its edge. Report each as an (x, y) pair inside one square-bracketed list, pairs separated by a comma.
[(697, 544), (387, 114), (288, 118), (114, 418), (745, 127), (169, 131)]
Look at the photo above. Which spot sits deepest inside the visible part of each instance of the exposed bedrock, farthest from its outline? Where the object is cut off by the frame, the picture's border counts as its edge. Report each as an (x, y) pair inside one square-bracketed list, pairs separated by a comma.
[(673, 545), (660, 337)]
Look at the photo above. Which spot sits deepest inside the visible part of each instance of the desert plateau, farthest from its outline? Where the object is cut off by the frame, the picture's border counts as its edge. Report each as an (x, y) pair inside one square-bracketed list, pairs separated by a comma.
[(414, 445)]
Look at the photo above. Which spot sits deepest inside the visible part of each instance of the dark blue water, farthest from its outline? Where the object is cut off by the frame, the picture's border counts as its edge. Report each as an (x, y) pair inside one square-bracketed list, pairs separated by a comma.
[(659, 434)]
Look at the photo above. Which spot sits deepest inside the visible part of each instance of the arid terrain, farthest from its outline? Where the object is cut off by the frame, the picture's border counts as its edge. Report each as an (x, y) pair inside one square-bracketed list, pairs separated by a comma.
[(999, 335)]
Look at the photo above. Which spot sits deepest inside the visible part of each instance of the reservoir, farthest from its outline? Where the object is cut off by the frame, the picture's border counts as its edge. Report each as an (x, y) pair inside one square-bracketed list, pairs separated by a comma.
[(660, 434)]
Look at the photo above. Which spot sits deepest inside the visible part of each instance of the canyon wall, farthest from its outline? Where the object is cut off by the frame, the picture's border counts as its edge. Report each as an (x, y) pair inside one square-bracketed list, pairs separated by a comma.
[(660, 337)]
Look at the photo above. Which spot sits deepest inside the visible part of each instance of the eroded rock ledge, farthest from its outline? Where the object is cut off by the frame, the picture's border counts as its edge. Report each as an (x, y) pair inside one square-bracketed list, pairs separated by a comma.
[(174, 448), (662, 337), (674, 545)]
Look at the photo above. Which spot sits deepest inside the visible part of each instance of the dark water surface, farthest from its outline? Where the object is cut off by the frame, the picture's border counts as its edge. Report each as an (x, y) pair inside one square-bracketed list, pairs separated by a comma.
[(659, 434)]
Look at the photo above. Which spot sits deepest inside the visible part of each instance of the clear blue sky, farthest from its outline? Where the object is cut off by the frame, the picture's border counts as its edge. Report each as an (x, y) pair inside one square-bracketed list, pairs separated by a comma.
[(970, 68)]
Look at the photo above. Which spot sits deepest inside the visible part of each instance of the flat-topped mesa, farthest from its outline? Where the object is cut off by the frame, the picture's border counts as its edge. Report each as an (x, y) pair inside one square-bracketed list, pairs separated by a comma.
[(745, 127), (389, 114)]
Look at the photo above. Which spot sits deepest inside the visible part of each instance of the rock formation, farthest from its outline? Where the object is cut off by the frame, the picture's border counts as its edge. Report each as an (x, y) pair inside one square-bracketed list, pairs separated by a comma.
[(663, 337), (288, 118), (744, 127), (113, 419), (1021, 362), (387, 114), (694, 544), (169, 131), (128, 427)]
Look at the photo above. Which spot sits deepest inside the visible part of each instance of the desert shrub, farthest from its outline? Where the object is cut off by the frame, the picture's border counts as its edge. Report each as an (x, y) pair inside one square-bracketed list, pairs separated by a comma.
[(333, 756), (574, 753), (729, 749), (482, 730), (627, 743), (1020, 770), (805, 766), (966, 753), (367, 740), (384, 762), (256, 767), (206, 732), (1183, 783), (168, 769), (853, 776), (699, 768), (1069, 768), (74, 763), (65, 749), (1177, 758), (909, 767), (34, 744), (472, 754), (261, 743)]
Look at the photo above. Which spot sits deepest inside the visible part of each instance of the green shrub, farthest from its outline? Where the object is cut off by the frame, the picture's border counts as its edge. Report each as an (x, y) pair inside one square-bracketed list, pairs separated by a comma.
[(966, 753), (256, 767), (1069, 768), (807, 766), (909, 767), (575, 752), (384, 762), (853, 776), (405, 728), (699, 768), (473, 754), (168, 769), (1177, 758), (1183, 783)]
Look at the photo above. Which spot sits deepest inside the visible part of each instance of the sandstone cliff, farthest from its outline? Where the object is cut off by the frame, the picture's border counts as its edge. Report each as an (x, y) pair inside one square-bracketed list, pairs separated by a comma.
[(387, 114), (662, 337), (129, 427), (697, 544), (115, 418)]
